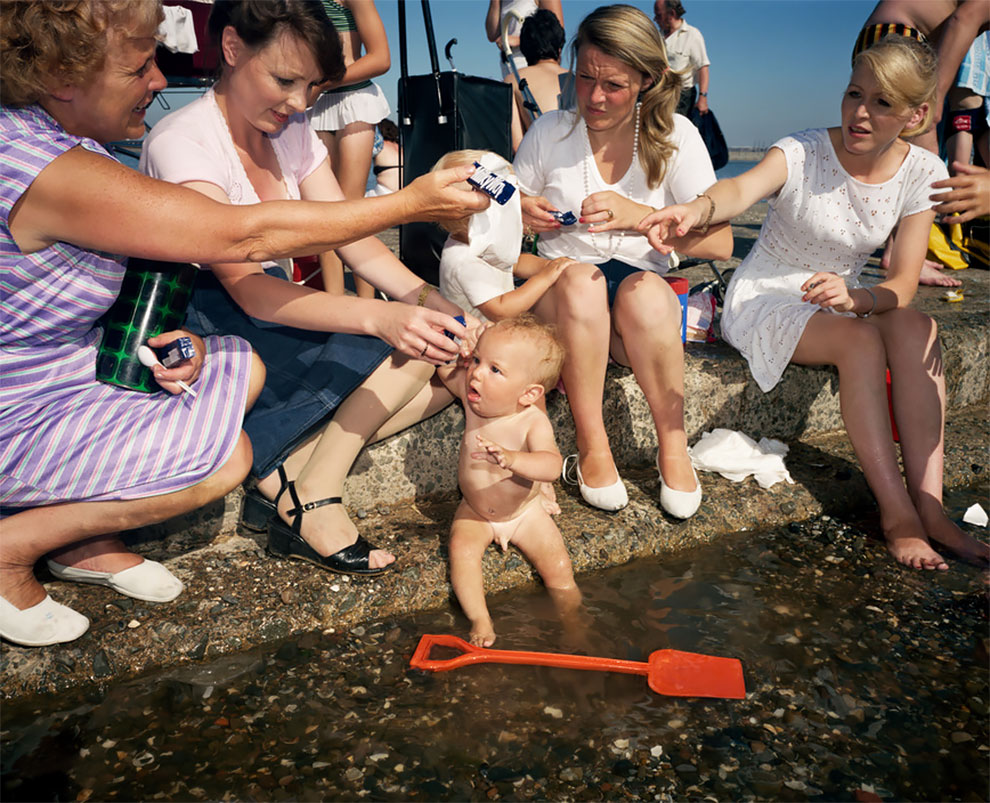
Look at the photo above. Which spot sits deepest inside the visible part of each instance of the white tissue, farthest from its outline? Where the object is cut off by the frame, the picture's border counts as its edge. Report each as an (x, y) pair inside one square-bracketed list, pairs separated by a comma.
[(976, 515), (736, 456), (495, 235)]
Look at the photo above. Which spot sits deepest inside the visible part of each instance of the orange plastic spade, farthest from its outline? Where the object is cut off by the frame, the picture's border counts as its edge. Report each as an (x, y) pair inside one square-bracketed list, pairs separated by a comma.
[(670, 672)]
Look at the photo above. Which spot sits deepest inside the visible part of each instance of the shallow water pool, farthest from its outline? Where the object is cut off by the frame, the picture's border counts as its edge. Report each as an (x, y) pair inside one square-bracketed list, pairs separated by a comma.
[(864, 682)]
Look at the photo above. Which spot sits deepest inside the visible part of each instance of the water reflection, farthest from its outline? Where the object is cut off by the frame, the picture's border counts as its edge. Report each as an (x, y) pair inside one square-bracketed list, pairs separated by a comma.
[(864, 681)]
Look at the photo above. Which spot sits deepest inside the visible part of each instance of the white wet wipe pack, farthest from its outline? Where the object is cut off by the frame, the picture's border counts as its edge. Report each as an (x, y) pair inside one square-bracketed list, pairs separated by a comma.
[(495, 235)]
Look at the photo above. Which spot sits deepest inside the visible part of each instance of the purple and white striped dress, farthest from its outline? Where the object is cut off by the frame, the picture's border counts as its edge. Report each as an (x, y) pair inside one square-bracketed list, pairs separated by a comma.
[(63, 435)]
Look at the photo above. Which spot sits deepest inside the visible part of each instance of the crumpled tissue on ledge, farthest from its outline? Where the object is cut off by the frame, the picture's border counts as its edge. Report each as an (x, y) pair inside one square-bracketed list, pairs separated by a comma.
[(735, 456)]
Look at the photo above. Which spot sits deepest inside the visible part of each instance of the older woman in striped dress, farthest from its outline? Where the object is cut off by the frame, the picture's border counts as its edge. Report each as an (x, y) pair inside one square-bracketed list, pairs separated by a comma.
[(81, 460)]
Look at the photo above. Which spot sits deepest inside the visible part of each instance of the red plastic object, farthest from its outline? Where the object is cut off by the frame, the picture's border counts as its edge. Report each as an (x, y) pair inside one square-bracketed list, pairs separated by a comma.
[(890, 406), (682, 287), (670, 672)]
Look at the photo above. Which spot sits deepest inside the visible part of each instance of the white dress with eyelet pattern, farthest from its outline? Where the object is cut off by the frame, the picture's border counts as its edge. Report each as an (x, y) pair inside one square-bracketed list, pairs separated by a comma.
[(822, 219)]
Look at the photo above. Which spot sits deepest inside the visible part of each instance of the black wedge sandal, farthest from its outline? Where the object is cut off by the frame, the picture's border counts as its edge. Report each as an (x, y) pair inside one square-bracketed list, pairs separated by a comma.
[(257, 511), (286, 542)]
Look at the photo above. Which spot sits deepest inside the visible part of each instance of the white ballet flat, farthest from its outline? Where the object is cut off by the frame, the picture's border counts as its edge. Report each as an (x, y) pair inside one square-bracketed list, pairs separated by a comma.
[(43, 624), (148, 581), (612, 497), (680, 504)]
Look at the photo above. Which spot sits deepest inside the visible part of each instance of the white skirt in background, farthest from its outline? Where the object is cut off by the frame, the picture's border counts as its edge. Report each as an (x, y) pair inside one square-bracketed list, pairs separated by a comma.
[(333, 111)]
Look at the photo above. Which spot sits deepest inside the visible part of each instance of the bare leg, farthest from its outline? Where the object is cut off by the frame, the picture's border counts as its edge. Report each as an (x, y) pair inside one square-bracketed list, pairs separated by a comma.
[(541, 542), (655, 353), (469, 538), (918, 384), (857, 350), (351, 167), (83, 534), (75, 532), (330, 265), (431, 399), (578, 305), (393, 385)]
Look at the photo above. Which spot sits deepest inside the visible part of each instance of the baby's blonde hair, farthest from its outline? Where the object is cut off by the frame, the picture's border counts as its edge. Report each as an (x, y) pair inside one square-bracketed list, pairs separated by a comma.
[(456, 159), (906, 71), (543, 336)]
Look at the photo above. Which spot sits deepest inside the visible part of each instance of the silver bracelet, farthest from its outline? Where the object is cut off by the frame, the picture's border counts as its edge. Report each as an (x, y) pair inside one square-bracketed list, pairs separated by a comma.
[(874, 297)]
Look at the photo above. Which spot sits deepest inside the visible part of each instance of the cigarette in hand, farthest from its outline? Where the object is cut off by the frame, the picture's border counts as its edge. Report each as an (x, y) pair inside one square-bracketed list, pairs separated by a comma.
[(149, 360)]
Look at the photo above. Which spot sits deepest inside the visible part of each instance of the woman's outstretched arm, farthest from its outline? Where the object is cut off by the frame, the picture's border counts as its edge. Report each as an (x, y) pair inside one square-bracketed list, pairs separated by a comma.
[(725, 199), (96, 203)]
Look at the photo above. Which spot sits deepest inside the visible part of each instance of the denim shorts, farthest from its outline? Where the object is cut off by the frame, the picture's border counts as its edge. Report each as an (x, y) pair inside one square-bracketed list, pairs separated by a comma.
[(615, 272)]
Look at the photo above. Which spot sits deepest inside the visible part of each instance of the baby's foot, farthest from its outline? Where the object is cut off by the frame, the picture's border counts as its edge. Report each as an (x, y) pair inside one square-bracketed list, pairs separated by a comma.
[(483, 633), (548, 498), (909, 546), (942, 529)]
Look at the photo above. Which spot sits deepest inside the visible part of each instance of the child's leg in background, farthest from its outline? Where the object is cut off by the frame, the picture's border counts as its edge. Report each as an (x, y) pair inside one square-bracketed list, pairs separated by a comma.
[(350, 159)]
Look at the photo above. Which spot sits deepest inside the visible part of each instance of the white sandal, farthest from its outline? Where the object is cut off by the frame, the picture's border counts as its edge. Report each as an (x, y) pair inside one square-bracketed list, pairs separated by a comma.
[(148, 581), (611, 498), (41, 625)]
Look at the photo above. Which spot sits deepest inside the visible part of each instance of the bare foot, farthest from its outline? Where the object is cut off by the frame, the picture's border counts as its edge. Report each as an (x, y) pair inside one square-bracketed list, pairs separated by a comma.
[(942, 529), (328, 529), (677, 471), (598, 469), (483, 633), (548, 498), (909, 546), (933, 276), (105, 553)]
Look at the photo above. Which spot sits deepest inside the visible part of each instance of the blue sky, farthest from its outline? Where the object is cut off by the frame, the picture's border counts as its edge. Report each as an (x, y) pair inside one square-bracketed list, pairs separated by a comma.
[(777, 65)]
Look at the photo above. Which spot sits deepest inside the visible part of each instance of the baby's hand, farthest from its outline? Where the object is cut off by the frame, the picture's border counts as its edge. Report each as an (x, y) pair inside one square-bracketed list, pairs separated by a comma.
[(493, 453), (557, 266)]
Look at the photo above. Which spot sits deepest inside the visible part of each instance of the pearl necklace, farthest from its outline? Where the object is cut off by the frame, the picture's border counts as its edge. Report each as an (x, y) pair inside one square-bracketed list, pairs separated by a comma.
[(631, 172)]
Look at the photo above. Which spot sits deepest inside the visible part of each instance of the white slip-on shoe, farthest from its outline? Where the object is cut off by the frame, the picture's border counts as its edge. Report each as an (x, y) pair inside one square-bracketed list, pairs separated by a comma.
[(48, 622), (148, 581), (680, 504), (611, 498)]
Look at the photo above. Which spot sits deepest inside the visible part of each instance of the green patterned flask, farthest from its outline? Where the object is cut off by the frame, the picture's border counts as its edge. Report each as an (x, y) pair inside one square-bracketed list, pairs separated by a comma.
[(153, 299)]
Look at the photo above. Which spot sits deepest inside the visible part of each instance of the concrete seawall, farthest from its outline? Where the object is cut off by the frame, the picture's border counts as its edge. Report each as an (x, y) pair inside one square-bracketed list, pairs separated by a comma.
[(402, 494)]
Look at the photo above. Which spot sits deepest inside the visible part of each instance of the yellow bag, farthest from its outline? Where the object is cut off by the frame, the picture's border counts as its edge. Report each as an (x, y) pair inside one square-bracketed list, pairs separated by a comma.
[(942, 248), (958, 246)]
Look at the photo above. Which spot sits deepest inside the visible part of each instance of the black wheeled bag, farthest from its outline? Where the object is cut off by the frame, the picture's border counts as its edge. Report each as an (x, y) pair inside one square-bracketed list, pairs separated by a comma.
[(438, 113)]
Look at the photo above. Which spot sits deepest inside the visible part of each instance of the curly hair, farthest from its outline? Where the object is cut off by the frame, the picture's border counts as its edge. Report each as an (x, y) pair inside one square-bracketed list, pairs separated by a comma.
[(627, 34), (44, 43), (546, 344), (906, 71)]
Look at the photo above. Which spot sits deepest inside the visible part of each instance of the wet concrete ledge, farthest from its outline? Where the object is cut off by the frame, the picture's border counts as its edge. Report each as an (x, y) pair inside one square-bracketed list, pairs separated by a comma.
[(403, 494)]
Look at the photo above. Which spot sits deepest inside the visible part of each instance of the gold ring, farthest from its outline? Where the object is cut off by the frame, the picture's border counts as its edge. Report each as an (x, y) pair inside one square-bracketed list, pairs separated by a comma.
[(529, 231), (611, 214)]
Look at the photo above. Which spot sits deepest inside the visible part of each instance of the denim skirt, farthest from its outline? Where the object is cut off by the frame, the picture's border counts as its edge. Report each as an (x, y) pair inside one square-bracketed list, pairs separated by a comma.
[(309, 373)]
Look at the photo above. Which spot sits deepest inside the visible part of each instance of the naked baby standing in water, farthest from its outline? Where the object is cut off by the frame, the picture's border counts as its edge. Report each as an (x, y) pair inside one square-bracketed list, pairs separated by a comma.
[(508, 449)]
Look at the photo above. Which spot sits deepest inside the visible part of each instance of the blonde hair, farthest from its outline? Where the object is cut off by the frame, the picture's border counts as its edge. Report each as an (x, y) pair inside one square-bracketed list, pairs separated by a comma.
[(456, 159), (44, 43), (906, 71), (546, 346), (627, 34)]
